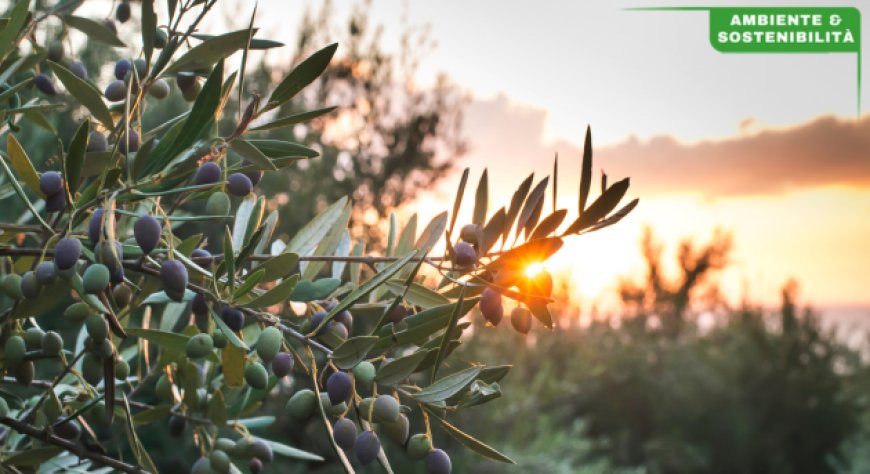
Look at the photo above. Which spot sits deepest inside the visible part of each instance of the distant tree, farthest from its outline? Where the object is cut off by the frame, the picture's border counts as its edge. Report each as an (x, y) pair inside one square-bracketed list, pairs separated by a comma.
[(388, 139), (670, 300)]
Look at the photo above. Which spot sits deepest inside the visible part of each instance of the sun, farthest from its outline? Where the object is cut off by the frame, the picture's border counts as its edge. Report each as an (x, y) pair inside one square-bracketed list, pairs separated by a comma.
[(533, 269)]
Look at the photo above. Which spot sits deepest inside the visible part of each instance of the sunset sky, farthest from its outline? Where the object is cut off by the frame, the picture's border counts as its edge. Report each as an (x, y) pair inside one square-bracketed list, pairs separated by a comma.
[(766, 146)]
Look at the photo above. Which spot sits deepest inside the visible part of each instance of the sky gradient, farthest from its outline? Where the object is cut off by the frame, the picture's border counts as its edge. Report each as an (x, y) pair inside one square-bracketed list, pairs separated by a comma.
[(765, 146)]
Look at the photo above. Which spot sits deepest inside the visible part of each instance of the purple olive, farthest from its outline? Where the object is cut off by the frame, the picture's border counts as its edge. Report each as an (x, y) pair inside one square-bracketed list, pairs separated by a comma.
[(67, 253), (367, 447), (68, 430), (129, 142), (490, 306), (261, 450), (95, 225), (122, 67), (116, 91), (50, 183), (339, 386), (282, 364), (438, 462), (199, 306), (97, 142), (174, 276), (344, 433), (122, 12), (56, 202), (239, 185), (185, 80), (77, 68), (44, 84), (398, 314), (254, 175), (464, 254), (233, 318), (147, 231), (208, 173), (176, 426)]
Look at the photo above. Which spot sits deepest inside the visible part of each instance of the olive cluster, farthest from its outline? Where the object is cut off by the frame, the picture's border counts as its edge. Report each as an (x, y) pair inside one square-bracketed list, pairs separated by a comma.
[(257, 452), (377, 415), (92, 280), (491, 306)]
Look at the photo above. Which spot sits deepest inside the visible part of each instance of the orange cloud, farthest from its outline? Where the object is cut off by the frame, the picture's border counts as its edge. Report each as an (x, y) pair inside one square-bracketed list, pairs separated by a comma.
[(824, 152)]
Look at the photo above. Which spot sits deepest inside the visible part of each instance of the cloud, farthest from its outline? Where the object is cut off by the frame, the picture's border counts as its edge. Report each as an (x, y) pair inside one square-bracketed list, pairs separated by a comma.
[(826, 151)]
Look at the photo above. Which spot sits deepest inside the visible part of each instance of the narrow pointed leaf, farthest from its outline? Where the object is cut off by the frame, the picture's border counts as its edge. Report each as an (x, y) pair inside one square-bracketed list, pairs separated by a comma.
[(492, 231), (75, 157), (85, 93), (469, 441), (586, 171), (533, 206), (302, 75), (253, 154), (447, 386), (149, 29), (517, 200), (457, 202), (481, 200), (549, 224), (399, 369), (432, 233), (448, 333), (278, 294), (294, 119), (352, 351), (22, 165), (600, 207), (202, 56), (95, 30), (231, 336)]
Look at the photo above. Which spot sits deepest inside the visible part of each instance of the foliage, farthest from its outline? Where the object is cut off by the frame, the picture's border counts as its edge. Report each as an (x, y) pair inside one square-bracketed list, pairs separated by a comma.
[(388, 137), (116, 321)]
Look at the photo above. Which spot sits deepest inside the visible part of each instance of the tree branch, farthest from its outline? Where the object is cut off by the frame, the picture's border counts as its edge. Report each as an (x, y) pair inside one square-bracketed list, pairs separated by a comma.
[(80, 451)]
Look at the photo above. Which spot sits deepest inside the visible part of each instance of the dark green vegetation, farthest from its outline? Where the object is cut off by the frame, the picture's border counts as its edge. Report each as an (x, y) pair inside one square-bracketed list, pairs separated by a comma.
[(245, 332)]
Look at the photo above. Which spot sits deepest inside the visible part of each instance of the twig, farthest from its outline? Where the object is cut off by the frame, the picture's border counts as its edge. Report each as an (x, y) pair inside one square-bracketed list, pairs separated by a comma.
[(79, 450)]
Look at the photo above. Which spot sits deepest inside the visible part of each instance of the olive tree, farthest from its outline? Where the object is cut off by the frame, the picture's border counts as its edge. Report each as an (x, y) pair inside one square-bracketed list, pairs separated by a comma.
[(114, 316)]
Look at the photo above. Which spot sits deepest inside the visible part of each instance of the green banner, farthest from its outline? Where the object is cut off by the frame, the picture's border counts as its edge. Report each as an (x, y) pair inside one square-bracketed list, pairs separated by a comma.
[(786, 30)]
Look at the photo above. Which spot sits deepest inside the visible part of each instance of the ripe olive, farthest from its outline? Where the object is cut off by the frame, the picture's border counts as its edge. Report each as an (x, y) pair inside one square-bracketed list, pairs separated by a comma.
[(367, 447), (147, 231), (339, 386), (344, 433), (464, 254)]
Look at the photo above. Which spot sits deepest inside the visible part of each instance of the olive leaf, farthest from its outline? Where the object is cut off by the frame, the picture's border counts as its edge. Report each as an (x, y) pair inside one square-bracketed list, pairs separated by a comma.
[(293, 119), (447, 386), (353, 350), (95, 30), (602, 206), (302, 75), (84, 92), (481, 200), (399, 369), (469, 441), (202, 56), (22, 165)]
